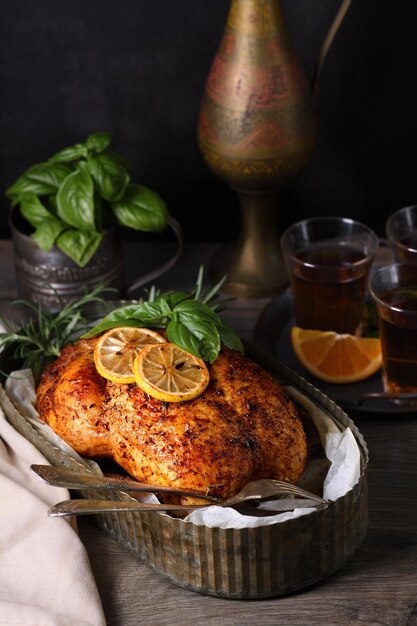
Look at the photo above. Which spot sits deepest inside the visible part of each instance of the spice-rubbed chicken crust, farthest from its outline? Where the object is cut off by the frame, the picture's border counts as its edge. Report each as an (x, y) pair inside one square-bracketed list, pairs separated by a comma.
[(243, 427)]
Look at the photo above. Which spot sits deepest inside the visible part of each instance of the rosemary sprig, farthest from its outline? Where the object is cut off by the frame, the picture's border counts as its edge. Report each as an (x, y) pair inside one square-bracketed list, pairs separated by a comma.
[(40, 339), (190, 318)]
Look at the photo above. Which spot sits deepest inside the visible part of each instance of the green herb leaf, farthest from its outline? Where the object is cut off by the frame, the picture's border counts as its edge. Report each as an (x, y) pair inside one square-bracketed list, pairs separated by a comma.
[(190, 309), (79, 245), (70, 154), (47, 226), (141, 209), (33, 210), (229, 337), (42, 179), (196, 336), (174, 298), (42, 337), (47, 233), (51, 204), (155, 313), (98, 142), (75, 200), (87, 187), (158, 309), (109, 174), (190, 322)]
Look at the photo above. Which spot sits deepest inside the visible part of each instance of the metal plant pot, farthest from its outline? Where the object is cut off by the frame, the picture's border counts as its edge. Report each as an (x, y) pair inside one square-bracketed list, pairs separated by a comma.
[(50, 277)]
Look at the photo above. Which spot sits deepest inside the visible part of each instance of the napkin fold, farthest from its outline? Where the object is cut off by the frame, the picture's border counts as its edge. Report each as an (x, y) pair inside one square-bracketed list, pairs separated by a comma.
[(45, 574)]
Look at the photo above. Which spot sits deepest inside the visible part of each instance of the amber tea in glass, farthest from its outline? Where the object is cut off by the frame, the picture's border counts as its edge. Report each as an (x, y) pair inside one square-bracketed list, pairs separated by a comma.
[(394, 290), (401, 229), (328, 260)]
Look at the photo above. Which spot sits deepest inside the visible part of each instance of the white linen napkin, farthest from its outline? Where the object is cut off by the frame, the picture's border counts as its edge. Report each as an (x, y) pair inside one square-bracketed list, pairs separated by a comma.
[(45, 575)]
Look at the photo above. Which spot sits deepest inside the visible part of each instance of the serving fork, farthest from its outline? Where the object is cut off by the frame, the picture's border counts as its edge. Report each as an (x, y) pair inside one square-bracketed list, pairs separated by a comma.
[(256, 490)]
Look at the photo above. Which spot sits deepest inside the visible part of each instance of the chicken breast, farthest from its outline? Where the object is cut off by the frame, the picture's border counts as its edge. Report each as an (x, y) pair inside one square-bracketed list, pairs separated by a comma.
[(71, 398), (243, 427)]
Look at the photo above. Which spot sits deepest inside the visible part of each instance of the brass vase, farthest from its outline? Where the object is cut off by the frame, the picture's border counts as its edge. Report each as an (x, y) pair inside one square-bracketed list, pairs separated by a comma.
[(256, 131)]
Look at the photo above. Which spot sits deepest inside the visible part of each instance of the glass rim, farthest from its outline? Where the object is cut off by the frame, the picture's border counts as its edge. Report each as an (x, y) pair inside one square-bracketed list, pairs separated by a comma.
[(331, 218), (397, 267), (368, 258), (390, 225)]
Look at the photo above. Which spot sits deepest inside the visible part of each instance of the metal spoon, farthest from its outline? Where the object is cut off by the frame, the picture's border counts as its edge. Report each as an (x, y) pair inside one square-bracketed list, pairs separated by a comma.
[(87, 507), (256, 490), (62, 477)]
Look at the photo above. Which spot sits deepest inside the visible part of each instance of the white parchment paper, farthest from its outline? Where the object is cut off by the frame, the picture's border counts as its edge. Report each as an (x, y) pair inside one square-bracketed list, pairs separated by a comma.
[(340, 447)]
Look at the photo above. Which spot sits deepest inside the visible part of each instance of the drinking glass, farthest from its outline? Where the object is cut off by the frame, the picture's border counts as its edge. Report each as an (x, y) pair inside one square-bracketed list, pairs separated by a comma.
[(328, 261), (394, 291), (401, 230)]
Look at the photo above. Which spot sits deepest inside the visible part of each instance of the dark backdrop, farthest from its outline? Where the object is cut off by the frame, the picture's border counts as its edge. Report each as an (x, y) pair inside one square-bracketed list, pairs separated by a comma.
[(137, 68)]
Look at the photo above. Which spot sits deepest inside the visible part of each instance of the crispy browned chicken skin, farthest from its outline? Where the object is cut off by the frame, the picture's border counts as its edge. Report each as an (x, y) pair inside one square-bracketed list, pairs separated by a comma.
[(243, 427)]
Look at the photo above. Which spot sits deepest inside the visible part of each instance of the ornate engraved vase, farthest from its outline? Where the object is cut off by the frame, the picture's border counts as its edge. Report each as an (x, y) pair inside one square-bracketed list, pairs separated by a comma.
[(256, 131)]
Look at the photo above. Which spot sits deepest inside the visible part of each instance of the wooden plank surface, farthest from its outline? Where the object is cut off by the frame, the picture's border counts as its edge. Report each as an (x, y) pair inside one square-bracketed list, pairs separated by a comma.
[(377, 587)]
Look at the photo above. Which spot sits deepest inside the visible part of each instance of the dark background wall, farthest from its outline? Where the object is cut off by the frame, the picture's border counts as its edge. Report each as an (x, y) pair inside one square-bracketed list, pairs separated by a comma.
[(137, 68)]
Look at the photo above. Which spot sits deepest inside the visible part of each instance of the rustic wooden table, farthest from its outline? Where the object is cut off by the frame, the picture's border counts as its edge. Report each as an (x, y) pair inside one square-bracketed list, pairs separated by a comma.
[(377, 587)]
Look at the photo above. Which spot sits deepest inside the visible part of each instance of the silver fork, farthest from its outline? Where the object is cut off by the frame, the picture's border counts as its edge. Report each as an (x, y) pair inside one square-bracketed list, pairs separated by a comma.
[(256, 490)]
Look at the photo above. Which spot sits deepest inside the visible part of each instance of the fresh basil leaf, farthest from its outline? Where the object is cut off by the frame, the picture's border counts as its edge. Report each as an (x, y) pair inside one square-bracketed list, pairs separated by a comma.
[(33, 210), (42, 179), (190, 309), (70, 154), (120, 158), (141, 209), (228, 337), (174, 298), (147, 313), (75, 200), (99, 213), (47, 226), (152, 311), (187, 311), (200, 338), (106, 324), (47, 232), (51, 204), (109, 174), (190, 323), (98, 142), (79, 245)]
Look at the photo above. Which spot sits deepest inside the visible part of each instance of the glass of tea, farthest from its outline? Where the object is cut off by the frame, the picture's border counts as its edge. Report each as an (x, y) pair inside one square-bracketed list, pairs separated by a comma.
[(328, 261), (394, 291), (401, 230)]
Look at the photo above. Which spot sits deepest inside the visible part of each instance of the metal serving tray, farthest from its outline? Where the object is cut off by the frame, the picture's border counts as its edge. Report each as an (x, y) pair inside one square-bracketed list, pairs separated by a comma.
[(247, 563)]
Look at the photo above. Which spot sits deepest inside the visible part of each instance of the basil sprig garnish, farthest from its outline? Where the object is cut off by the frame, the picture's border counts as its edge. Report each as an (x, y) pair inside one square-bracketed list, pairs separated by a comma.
[(188, 318), (79, 192)]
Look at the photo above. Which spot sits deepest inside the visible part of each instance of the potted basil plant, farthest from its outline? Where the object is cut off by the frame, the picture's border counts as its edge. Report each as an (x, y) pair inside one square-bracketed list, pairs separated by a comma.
[(64, 217)]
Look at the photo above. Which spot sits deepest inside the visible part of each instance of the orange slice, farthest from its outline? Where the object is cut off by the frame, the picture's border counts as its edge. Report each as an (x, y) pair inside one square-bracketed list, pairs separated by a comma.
[(336, 358), (169, 373), (116, 350)]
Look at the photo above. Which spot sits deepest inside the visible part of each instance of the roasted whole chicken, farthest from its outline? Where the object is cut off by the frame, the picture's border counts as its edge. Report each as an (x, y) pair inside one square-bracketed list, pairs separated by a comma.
[(243, 427)]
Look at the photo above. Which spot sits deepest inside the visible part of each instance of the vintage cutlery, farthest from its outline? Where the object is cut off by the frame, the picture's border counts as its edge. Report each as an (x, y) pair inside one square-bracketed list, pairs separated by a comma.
[(87, 507), (62, 477), (256, 490)]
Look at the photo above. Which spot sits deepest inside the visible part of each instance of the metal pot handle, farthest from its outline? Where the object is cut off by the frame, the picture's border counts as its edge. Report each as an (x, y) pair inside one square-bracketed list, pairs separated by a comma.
[(328, 40), (165, 267)]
